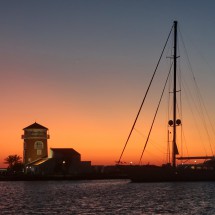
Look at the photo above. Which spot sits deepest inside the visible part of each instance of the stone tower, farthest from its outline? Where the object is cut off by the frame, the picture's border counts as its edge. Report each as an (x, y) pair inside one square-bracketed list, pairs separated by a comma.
[(35, 143)]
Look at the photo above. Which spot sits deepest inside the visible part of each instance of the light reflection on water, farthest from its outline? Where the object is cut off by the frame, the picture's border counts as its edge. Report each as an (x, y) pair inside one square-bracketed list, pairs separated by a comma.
[(106, 197)]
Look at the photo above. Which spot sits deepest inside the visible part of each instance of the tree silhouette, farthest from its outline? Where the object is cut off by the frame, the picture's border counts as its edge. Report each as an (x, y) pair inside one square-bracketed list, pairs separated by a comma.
[(14, 163)]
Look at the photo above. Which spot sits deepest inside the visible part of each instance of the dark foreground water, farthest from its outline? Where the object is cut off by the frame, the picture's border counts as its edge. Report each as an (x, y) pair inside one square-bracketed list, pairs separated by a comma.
[(106, 197)]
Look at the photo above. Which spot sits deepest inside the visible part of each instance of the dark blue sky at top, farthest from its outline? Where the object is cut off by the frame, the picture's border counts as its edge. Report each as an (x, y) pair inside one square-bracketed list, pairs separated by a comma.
[(95, 44), (85, 24)]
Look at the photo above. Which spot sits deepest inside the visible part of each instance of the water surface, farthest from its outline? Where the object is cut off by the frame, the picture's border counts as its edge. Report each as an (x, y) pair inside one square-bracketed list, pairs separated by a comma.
[(106, 197)]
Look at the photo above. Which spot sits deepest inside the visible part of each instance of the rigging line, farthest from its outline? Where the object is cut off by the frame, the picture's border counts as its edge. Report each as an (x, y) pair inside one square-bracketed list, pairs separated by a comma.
[(168, 147), (185, 141), (168, 117), (152, 142), (180, 104), (200, 105), (200, 98), (155, 115), (190, 98), (145, 95), (205, 124), (169, 108)]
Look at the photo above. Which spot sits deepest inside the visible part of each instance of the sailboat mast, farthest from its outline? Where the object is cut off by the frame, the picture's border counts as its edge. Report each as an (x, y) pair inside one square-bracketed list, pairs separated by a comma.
[(174, 96)]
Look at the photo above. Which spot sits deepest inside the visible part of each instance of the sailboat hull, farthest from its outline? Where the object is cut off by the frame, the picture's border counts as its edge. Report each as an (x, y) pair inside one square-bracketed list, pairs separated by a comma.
[(149, 173)]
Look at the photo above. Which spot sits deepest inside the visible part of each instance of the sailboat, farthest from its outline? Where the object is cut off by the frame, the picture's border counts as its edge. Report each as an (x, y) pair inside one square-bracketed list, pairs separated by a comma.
[(169, 171)]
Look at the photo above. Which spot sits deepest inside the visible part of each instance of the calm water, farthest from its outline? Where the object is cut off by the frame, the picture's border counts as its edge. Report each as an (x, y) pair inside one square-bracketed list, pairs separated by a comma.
[(106, 197)]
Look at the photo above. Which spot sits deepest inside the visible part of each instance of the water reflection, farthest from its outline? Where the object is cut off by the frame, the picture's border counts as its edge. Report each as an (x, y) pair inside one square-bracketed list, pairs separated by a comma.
[(106, 197)]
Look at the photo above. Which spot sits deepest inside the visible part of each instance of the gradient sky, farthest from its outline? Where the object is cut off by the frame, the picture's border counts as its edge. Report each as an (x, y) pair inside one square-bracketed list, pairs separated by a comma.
[(81, 68)]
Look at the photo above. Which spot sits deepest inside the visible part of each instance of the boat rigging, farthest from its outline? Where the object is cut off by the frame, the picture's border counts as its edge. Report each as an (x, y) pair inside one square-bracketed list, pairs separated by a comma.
[(173, 123)]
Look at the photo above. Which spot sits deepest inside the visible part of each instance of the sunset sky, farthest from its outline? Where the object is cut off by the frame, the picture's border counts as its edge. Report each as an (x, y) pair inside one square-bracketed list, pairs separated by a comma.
[(81, 68)]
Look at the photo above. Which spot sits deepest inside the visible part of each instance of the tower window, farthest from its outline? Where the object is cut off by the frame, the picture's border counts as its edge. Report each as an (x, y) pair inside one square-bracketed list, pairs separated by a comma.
[(38, 145), (39, 152)]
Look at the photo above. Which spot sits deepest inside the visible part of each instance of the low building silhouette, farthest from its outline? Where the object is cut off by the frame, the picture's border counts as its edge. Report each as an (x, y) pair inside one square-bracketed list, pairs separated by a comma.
[(62, 161)]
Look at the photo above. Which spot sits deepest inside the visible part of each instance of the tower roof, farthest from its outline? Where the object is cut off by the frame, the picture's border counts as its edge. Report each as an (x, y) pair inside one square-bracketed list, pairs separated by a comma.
[(35, 126)]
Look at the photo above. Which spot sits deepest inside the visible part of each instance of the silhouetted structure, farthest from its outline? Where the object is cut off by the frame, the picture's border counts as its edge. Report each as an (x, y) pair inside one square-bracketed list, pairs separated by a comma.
[(62, 161), (35, 143)]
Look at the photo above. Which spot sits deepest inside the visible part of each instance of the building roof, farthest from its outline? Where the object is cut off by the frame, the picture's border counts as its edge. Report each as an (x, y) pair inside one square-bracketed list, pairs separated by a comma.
[(65, 151), (38, 162), (35, 126)]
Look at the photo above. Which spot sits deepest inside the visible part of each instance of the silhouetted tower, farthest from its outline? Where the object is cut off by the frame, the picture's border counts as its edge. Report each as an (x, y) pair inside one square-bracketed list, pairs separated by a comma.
[(35, 143)]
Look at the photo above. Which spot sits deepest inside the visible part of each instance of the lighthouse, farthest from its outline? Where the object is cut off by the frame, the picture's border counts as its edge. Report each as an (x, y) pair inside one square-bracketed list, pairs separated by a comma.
[(35, 144)]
